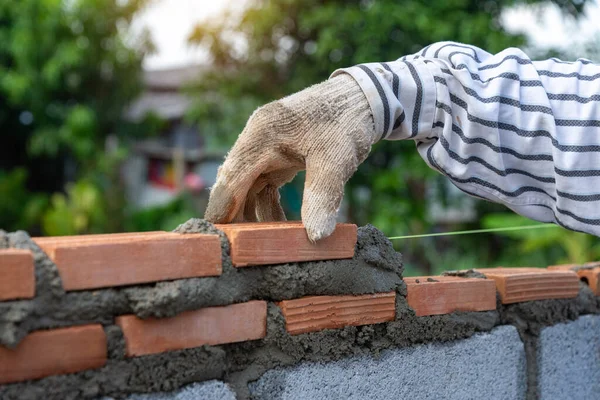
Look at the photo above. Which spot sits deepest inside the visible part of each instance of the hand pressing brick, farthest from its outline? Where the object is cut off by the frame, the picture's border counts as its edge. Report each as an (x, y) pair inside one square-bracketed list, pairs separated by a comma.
[(283, 242), (17, 275), (54, 352), (446, 294)]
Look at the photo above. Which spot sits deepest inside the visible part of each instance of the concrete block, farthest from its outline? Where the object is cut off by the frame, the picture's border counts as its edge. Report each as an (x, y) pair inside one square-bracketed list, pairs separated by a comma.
[(209, 390), (569, 360), (485, 366)]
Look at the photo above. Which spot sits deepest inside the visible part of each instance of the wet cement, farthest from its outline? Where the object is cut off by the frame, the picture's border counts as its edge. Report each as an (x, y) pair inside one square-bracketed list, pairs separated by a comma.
[(377, 265), (241, 363), (465, 273)]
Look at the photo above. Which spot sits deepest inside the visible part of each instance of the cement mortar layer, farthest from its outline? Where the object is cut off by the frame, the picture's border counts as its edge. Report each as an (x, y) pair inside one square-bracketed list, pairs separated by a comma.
[(375, 262), (238, 364)]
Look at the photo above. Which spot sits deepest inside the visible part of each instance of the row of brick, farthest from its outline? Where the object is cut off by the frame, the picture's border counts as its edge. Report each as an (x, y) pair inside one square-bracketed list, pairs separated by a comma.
[(74, 349), (110, 260)]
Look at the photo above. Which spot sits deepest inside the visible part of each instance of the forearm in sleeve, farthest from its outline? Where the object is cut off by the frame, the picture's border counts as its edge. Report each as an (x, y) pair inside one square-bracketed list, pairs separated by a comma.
[(502, 127)]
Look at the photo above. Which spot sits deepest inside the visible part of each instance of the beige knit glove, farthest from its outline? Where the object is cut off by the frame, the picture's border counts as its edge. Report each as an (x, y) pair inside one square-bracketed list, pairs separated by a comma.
[(326, 129)]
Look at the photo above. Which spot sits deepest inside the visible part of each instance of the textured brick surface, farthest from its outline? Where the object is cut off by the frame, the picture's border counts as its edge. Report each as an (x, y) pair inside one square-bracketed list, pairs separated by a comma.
[(485, 366), (97, 261), (209, 390), (526, 284), (569, 360), (445, 294), (53, 352), (589, 275), (207, 326), (276, 243), (17, 275), (315, 313)]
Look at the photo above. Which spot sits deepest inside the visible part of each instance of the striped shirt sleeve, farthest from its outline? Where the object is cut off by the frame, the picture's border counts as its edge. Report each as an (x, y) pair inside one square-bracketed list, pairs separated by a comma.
[(501, 127)]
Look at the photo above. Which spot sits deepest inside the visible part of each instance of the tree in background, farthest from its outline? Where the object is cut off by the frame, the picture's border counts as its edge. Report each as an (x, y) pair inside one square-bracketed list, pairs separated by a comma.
[(67, 73), (274, 48)]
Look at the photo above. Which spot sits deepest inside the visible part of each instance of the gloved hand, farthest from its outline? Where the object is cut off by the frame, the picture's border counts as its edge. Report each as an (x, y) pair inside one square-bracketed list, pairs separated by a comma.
[(326, 129)]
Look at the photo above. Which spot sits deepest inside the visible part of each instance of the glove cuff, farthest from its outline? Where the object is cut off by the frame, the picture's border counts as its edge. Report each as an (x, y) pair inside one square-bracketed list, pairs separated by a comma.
[(401, 95)]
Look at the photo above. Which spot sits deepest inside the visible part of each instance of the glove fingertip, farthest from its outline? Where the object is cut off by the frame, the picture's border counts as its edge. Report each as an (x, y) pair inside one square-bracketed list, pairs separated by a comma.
[(319, 227), (221, 206)]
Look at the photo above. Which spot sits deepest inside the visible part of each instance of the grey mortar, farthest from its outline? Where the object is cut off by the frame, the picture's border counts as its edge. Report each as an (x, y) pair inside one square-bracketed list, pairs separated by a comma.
[(467, 273), (376, 263), (241, 363), (530, 317)]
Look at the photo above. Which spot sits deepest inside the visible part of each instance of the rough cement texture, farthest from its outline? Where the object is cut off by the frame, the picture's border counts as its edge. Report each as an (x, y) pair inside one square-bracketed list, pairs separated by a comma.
[(375, 267), (209, 390), (568, 360), (485, 366), (376, 263), (532, 316), (243, 362), (465, 273)]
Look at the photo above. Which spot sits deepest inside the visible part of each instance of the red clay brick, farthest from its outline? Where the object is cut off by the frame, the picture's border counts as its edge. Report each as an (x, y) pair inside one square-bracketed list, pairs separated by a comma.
[(276, 243), (54, 352), (315, 313), (96, 261), (446, 294), (207, 326), (17, 274), (526, 284), (590, 273)]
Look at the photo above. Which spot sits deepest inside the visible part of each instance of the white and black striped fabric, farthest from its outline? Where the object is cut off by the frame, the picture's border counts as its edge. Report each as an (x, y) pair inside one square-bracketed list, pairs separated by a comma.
[(502, 127)]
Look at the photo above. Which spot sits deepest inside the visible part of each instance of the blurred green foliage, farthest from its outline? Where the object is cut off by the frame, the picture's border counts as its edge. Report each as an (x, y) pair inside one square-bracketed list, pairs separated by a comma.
[(275, 48), (79, 210), (67, 71)]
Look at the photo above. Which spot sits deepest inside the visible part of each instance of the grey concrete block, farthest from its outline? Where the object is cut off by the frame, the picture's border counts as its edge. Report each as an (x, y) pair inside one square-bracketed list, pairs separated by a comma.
[(485, 366), (569, 360), (209, 390)]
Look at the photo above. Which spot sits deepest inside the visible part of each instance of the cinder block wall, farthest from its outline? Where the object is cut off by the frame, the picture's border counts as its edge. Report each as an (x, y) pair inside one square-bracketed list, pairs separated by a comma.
[(257, 311)]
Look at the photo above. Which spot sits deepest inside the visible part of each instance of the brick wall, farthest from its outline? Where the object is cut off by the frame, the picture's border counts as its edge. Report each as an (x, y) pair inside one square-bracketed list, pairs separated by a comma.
[(108, 315)]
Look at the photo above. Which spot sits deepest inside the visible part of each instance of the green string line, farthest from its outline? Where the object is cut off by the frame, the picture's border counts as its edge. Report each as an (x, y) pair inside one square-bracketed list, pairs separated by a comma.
[(512, 228)]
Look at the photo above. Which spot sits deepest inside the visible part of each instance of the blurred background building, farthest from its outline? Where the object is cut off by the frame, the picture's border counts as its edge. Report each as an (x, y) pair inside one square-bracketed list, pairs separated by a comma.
[(159, 168)]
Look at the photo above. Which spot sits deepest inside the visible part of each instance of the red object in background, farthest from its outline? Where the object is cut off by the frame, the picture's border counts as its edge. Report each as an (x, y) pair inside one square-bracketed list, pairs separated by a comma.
[(193, 182), (161, 173)]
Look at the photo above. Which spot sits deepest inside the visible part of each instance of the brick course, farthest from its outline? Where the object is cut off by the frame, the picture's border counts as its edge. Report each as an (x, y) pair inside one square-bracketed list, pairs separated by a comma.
[(590, 275), (527, 284), (445, 294), (206, 326), (98, 261), (315, 313)]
